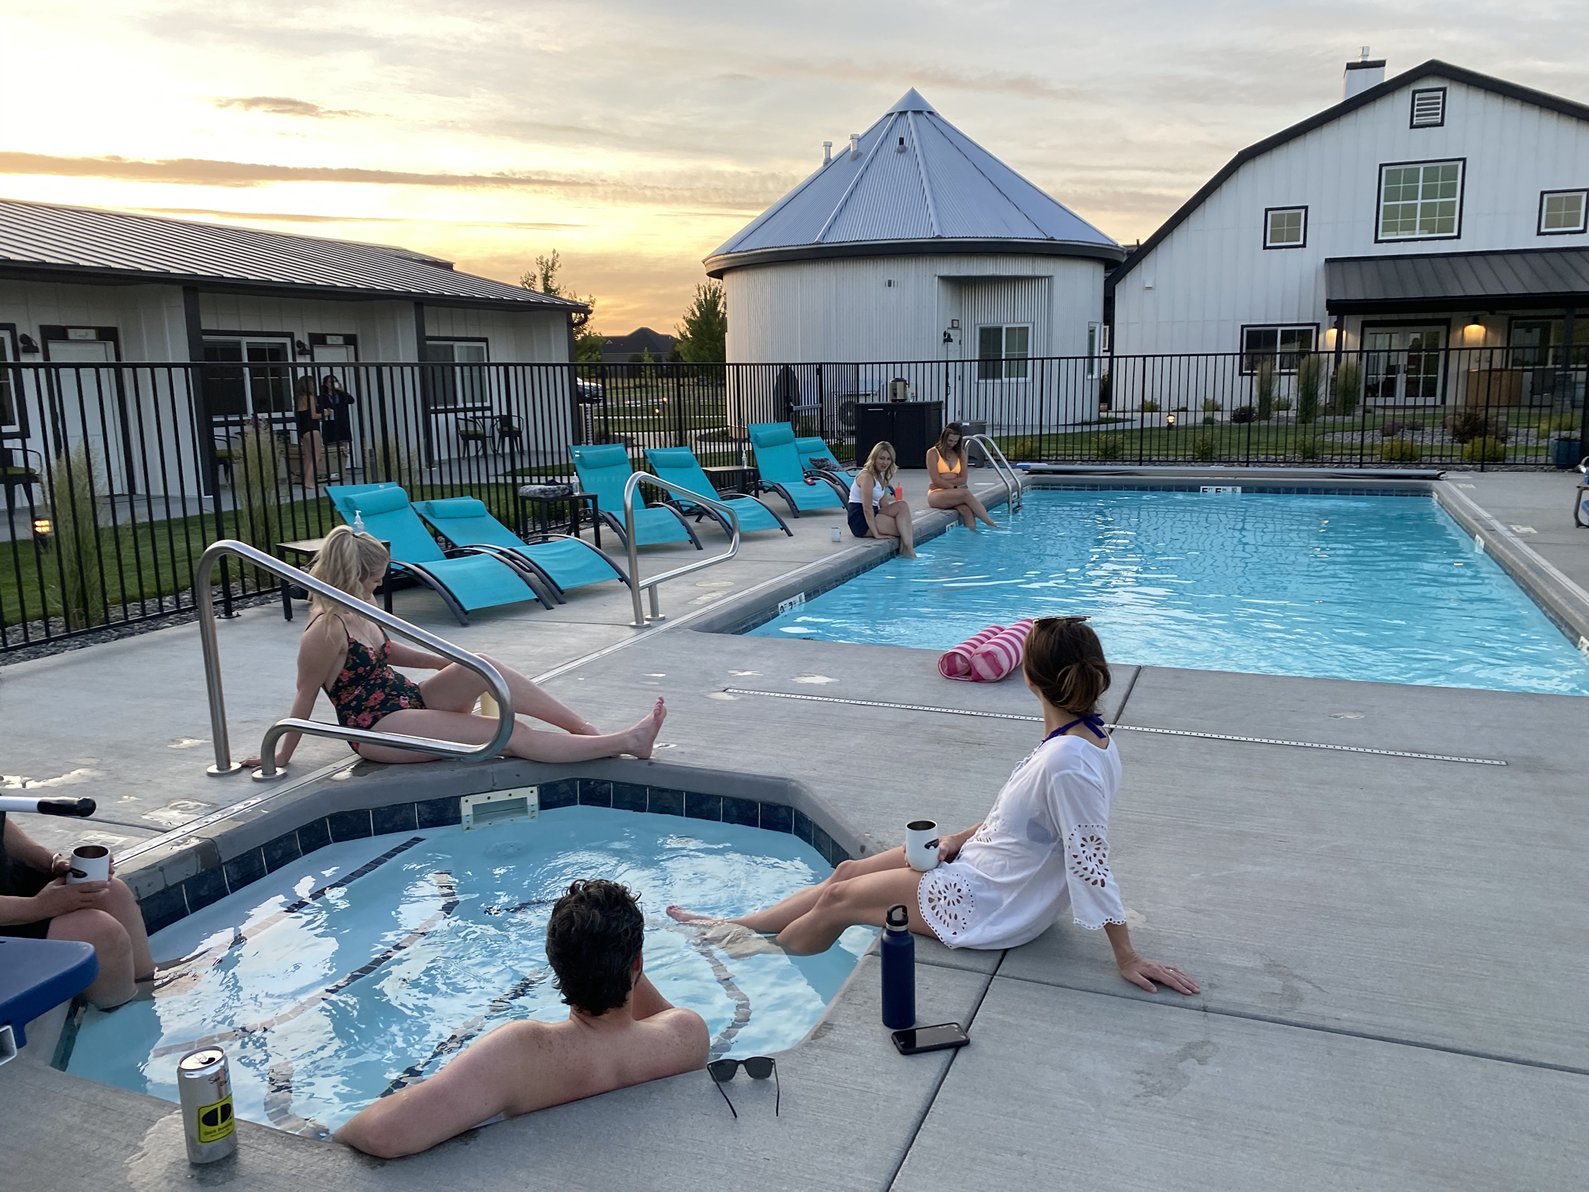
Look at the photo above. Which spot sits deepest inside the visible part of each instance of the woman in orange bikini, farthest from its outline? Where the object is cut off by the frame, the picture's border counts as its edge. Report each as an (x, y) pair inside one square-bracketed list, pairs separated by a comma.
[(946, 480), (350, 659)]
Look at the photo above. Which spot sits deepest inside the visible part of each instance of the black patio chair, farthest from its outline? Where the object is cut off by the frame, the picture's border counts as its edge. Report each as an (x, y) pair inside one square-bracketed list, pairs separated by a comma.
[(510, 435)]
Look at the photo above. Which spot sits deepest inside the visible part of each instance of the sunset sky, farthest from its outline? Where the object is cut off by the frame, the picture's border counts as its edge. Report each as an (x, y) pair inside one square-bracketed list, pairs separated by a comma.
[(635, 138)]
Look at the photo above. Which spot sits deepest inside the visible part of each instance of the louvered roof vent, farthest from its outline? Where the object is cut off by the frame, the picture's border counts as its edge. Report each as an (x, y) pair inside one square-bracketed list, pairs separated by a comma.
[(1429, 107)]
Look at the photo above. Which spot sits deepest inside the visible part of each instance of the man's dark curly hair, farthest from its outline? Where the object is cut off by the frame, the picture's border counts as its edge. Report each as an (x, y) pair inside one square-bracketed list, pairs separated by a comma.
[(594, 935)]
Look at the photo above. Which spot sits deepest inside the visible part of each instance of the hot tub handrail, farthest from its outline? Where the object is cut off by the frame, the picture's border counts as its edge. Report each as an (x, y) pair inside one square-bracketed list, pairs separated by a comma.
[(496, 686), (636, 583), (1003, 469)]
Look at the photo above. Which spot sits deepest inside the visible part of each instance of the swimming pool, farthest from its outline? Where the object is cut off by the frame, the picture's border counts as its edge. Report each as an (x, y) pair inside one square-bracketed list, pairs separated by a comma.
[(1386, 588), (365, 965)]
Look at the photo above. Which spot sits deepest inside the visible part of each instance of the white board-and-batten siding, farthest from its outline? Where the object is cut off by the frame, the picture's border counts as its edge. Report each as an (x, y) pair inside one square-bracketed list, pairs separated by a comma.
[(1211, 275), (844, 309)]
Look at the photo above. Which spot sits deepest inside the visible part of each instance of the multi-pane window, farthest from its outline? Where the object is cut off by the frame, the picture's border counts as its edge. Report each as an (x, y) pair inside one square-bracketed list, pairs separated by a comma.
[(1429, 108), (456, 388), (1420, 200), (1002, 353), (10, 416), (248, 376), (1279, 346), (1285, 227), (1561, 212)]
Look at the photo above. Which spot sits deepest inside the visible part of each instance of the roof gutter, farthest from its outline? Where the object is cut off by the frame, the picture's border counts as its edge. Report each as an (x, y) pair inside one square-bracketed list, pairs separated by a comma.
[(723, 263)]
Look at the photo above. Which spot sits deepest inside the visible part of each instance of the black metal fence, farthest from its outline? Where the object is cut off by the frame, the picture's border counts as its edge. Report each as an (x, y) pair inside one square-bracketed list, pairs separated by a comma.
[(116, 476)]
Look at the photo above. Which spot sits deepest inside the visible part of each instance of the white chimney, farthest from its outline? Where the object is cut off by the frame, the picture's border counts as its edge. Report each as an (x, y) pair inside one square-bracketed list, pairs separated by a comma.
[(827, 152), (1366, 72), (855, 145)]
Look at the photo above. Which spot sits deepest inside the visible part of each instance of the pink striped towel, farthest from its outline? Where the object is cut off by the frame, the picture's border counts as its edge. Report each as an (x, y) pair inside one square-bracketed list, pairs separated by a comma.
[(1001, 653), (956, 663)]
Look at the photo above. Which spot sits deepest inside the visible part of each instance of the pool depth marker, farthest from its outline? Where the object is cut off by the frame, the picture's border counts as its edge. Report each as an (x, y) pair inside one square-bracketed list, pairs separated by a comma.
[(1131, 728)]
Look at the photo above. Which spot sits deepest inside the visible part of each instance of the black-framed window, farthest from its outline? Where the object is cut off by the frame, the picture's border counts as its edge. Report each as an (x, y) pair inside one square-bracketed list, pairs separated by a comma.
[(11, 415), (1428, 108), (1003, 352), (1285, 227), (248, 373), (1563, 212), (1420, 200), (457, 388), (1280, 344), (1540, 343)]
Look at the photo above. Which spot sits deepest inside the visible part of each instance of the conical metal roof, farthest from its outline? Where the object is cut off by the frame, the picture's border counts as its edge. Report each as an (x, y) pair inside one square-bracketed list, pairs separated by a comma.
[(915, 184)]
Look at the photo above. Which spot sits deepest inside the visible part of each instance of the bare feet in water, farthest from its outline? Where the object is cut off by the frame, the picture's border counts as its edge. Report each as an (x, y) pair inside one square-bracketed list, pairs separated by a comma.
[(643, 736), (679, 915)]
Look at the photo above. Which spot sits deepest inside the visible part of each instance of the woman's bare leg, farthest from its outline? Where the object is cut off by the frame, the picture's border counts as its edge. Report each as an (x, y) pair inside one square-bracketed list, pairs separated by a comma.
[(309, 451), (123, 907), (900, 512), (778, 916), (455, 688), (112, 949), (528, 743), (891, 526), (974, 503), (950, 498), (861, 901)]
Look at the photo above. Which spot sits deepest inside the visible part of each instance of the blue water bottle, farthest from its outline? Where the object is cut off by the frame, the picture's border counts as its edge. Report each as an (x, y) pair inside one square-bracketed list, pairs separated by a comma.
[(899, 970)]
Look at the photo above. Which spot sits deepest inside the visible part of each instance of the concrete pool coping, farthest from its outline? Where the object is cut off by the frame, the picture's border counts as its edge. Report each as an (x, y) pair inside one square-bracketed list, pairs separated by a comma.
[(1393, 991)]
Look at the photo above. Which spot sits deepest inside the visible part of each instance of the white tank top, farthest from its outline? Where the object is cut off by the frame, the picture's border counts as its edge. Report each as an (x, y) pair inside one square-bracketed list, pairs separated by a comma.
[(855, 490)]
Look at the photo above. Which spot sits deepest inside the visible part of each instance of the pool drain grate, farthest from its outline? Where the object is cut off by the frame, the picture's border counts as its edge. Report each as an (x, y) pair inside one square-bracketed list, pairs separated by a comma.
[(1130, 728)]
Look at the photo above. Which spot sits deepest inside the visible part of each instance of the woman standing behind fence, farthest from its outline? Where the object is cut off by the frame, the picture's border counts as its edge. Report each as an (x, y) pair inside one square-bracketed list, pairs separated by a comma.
[(306, 409)]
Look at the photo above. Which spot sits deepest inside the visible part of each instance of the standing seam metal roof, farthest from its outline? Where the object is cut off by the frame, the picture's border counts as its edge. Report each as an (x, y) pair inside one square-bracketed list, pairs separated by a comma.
[(1438, 280), (917, 178), (40, 237)]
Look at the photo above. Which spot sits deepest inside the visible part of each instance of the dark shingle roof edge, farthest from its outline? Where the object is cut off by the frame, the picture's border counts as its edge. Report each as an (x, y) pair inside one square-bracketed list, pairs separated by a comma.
[(1434, 66), (721, 263)]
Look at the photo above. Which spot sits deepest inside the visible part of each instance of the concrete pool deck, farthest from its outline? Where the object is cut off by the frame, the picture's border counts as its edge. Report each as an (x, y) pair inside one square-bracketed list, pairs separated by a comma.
[(1390, 947)]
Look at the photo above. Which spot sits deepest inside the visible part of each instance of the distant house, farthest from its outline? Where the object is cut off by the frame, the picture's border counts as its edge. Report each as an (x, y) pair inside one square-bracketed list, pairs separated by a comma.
[(89, 287), (631, 348), (1437, 209), (915, 244)]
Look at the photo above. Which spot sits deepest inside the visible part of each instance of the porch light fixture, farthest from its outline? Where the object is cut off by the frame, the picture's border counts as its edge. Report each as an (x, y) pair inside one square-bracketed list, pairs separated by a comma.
[(1329, 338), (1474, 331), (948, 337), (300, 347), (28, 344)]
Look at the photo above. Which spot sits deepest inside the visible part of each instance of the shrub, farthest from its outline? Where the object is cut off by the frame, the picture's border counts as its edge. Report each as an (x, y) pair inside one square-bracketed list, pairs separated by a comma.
[(1149, 406), (1026, 448), (1400, 451), (1243, 414), (1348, 387), (1263, 385), (1310, 371), (1559, 422), (1308, 447), (1467, 425), (256, 485), (1484, 450), (1391, 429), (1203, 447), (1282, 404), (1212, 405), (1109, 446), (80, 546)]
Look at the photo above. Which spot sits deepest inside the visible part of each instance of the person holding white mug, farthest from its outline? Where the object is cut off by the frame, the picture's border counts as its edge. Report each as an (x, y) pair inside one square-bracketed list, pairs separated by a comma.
[(41, 898)]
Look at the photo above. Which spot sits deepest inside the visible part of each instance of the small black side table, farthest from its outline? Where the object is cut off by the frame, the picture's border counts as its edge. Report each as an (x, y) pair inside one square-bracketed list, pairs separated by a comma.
[(739, 478), (543, 517)]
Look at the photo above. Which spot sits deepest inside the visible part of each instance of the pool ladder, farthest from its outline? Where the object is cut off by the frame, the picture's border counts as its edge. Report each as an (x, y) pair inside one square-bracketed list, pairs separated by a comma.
[(641, 619), (1003, 469), (496, 686)]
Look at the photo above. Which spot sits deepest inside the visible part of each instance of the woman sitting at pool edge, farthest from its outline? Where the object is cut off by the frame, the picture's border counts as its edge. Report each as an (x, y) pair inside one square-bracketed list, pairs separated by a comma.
[(947, 484), (873, 511), (350, 658), (1043, 847)]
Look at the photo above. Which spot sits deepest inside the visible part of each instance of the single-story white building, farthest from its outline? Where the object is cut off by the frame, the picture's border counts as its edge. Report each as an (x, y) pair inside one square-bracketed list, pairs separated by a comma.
[(89, 287), (1440, 209)]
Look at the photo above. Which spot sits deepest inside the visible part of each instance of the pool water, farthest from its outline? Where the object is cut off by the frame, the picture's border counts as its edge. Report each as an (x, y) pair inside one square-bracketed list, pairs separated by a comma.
[(1345, 587), (427, 940)]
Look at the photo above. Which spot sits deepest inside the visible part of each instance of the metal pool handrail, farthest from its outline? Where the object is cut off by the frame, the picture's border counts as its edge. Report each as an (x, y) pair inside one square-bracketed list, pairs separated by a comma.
[(496, 686), (636, 583), (1003, 469)]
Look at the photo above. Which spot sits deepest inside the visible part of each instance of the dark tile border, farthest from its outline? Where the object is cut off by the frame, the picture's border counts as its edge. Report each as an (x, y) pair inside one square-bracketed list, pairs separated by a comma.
[(166, 906)]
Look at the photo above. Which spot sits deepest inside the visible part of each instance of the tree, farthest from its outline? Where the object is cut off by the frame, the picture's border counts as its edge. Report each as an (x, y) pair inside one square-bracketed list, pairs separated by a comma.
[(543, 279), (703, 334)]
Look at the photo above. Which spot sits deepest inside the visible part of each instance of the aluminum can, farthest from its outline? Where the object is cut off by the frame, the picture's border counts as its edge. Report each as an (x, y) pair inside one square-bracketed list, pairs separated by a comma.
[(205, 1089)]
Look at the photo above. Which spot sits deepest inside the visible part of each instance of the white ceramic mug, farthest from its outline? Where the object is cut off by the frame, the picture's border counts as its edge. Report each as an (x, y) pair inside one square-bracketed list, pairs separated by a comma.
[(921, 845), (90, 863)]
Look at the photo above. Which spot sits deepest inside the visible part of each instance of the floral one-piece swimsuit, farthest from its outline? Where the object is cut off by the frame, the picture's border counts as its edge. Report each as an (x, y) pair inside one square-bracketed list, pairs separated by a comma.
[(367, 688)]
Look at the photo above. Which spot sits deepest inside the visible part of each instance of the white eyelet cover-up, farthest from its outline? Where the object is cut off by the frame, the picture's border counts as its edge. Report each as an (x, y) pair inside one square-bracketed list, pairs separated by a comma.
[(1043, 847)]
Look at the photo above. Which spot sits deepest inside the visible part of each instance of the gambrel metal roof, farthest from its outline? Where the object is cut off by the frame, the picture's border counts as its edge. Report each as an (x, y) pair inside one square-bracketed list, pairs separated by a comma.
[(42, 240), (917, 184)]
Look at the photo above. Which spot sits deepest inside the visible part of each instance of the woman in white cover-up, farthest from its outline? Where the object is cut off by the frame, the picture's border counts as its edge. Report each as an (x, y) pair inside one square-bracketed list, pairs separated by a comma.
[(1043, 848)]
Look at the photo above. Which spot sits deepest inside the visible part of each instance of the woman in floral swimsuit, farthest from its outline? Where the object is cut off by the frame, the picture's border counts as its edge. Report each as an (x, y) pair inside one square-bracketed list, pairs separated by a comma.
[(350, 658), (1043, 848)]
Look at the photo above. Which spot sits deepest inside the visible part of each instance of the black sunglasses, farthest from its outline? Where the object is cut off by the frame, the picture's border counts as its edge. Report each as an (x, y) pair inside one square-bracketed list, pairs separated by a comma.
[(757, 1067)]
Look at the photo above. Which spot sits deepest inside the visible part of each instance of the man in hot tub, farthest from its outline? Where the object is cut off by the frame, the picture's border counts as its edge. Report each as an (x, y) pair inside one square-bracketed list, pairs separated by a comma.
[(619, 1031)]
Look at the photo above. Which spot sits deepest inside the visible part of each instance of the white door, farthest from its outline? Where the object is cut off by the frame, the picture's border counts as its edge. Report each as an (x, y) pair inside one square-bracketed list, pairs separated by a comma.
[(1403, 365), (92, 409)]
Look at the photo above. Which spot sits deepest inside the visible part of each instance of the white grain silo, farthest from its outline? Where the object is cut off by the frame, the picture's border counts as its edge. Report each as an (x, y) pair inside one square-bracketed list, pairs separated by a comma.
[(915, 244)]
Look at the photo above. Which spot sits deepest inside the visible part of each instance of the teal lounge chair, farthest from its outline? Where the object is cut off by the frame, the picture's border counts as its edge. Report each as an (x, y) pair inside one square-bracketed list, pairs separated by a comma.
[(563, 562), (466, 579), (678, 465), (778, 461), (811, 450), (603, 471)]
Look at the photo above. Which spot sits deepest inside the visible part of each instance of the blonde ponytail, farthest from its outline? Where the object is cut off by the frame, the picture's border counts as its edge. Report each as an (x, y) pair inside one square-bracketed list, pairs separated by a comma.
[(346, 560)]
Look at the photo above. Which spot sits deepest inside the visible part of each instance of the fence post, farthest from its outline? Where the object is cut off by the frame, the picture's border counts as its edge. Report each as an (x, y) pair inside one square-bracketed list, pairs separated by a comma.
[(678, 404)]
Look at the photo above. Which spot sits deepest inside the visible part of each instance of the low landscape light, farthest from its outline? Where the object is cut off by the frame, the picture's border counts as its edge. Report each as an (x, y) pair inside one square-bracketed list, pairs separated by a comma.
[(1169, 420), (42, 527)]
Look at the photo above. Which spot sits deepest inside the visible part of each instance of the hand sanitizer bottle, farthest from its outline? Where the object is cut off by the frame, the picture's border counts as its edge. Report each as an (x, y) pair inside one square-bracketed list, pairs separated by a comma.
[(358, 522)]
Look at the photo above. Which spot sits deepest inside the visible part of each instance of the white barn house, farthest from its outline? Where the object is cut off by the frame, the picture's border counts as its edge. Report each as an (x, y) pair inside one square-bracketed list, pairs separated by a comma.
[(1440, 209), (914, 244)]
